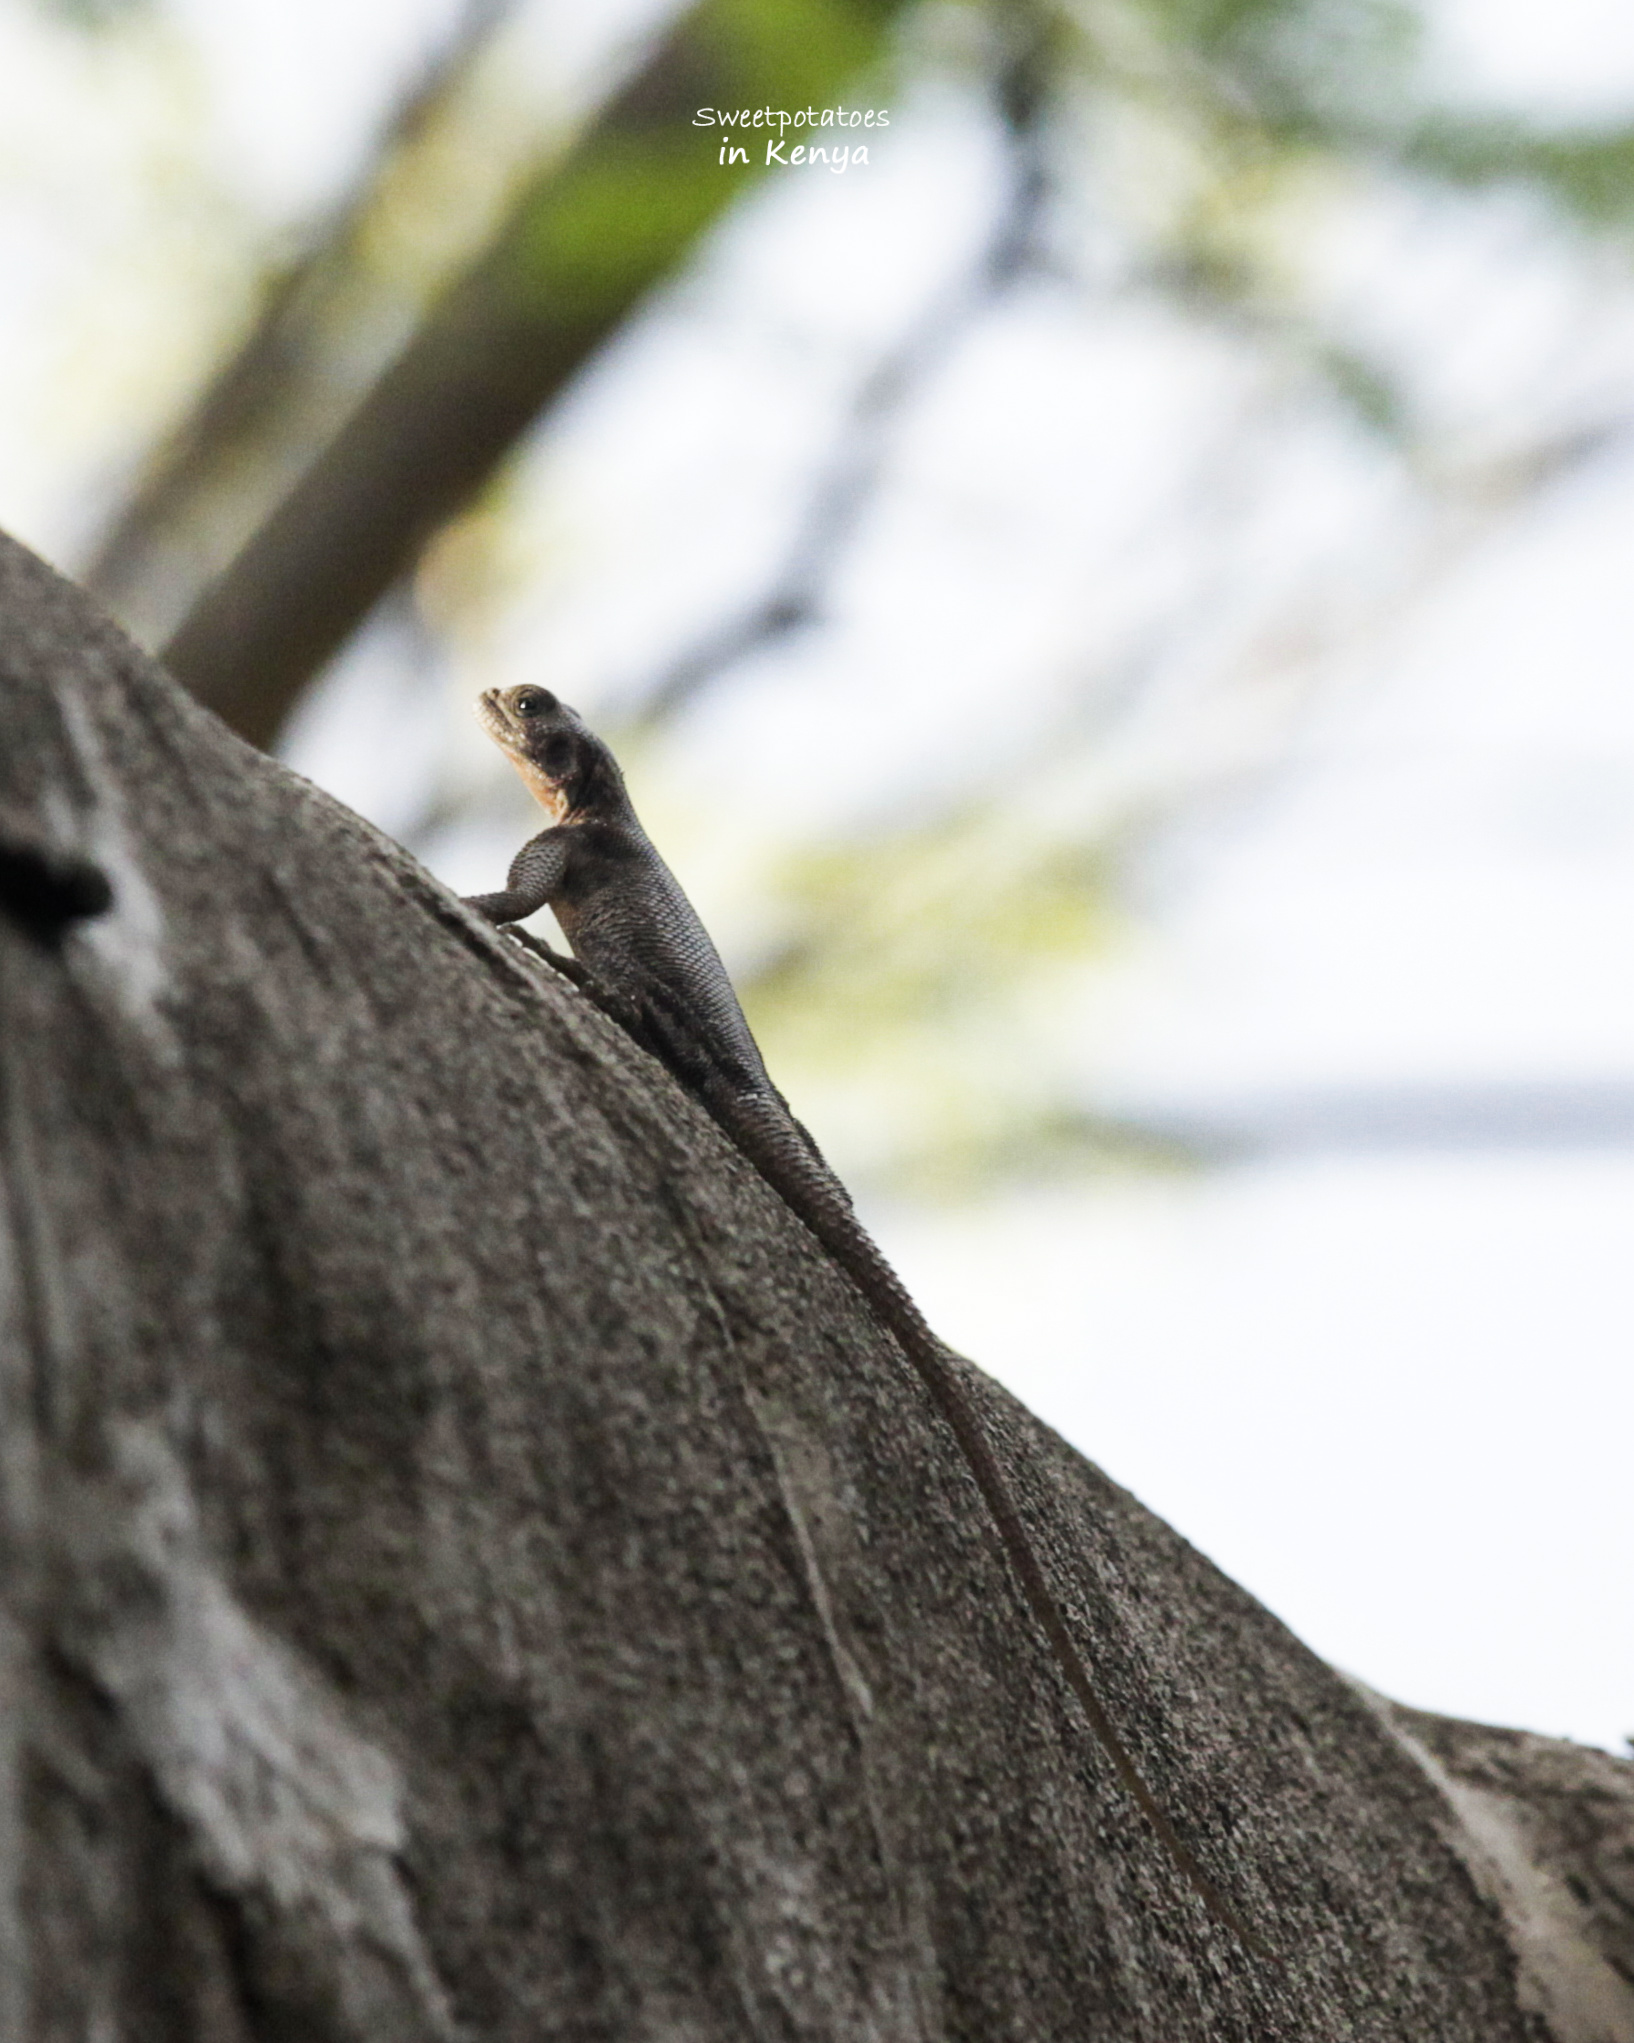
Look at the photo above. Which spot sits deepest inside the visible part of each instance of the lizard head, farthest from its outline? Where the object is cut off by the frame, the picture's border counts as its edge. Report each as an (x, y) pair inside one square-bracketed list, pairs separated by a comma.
[(567, 768)]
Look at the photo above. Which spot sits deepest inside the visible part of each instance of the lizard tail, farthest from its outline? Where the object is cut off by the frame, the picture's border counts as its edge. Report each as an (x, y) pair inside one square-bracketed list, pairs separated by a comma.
[(762, 1131)]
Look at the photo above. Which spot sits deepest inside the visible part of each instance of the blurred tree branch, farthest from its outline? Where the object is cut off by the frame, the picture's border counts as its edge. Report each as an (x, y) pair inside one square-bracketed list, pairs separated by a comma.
[(260, 413), (297, 491), (582, 245)]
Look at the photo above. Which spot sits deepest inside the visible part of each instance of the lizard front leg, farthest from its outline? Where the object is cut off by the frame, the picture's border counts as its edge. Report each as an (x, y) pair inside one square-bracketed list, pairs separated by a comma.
[(533, 882)]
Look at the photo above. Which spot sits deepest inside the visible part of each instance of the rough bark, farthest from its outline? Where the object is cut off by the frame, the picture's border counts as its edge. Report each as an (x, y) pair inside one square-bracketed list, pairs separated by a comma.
[(475, 1570)]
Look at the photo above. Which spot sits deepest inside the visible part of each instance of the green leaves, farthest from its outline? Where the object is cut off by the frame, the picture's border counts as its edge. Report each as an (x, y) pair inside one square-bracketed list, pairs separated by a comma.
[(1589, 176), (914, 1006)]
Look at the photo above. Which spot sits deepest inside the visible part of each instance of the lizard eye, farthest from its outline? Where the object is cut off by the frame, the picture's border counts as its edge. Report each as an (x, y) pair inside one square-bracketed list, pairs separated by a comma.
[(533, 702)]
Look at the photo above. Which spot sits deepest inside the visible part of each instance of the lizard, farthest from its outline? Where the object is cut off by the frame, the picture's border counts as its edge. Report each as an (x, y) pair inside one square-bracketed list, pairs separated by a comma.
[(642, 954)]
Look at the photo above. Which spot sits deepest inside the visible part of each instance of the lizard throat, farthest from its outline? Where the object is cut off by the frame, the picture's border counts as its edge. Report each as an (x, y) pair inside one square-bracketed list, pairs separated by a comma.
[(545, 791)]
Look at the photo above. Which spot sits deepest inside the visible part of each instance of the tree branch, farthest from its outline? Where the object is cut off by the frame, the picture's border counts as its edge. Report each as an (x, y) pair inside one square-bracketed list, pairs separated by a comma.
[(247, 425), (582, 246)]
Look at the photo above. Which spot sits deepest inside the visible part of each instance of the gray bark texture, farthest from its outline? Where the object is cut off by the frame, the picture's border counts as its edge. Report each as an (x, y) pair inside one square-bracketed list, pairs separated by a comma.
[(474, 1569)]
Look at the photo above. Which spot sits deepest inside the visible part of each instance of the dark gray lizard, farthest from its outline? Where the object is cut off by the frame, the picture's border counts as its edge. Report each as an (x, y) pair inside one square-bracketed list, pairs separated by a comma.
[(641, 952)]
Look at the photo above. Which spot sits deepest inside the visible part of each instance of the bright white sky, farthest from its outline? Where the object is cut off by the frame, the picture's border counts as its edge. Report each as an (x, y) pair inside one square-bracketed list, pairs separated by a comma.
[(291, 130), (1570, 59), (1392, 1393), (295, 88)]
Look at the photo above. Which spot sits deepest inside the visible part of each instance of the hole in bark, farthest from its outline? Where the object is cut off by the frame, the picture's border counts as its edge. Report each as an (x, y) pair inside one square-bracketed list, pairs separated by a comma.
[(46, 892)]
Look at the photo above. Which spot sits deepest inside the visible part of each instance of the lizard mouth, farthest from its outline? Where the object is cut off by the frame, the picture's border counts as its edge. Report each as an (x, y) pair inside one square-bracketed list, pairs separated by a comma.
[(498, 721)]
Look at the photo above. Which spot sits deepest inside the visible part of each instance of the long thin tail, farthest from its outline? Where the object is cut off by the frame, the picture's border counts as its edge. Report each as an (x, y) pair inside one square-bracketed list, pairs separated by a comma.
[(806, 1186)]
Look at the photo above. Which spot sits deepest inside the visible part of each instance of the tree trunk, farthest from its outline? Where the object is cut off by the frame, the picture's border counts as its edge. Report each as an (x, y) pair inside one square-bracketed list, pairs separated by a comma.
[(475, 1569)]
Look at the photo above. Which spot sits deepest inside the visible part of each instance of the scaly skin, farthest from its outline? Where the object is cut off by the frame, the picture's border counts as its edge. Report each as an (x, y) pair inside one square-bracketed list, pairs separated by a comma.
[(649, 962)]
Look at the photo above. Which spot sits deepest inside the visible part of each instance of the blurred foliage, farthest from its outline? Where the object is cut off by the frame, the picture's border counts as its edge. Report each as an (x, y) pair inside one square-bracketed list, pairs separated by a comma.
[(915, 962), (875, 916), (91, 14), (613, 224), (1589, 176), (635, 198), (332, 311), (583, 240), (1304, 69), (630, 204), (922, 981)]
